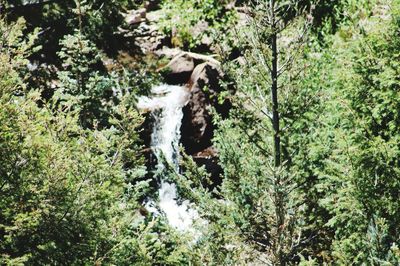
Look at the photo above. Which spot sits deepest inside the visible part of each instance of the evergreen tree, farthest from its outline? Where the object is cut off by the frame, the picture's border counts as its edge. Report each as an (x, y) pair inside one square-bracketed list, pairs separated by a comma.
[(261, 201), (365, 163)]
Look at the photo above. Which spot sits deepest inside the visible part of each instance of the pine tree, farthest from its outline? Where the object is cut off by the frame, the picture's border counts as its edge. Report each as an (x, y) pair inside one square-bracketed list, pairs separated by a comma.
[(261, 202), (276, 39), (364, 165)]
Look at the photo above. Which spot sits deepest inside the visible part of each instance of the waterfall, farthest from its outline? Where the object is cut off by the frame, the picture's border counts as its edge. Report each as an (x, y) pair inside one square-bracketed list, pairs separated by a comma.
[(166, 106)]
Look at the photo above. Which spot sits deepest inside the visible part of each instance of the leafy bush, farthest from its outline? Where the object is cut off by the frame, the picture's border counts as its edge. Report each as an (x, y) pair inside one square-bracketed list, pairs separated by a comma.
[(188, 22)]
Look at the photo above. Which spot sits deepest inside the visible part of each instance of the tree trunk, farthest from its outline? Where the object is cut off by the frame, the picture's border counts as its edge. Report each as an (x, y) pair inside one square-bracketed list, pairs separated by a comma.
[(274, 95), (279, 197)]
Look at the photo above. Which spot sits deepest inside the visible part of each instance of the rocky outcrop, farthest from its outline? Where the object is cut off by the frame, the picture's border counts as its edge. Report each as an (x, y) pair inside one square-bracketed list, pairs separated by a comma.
[(179, 69), (143, 27), (148, 38), (201, 74), (197, 128)]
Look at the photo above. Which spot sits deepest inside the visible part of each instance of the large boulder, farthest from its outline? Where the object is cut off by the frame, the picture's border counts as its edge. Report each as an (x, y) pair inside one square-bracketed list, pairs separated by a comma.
[(179, 69), (197, 128)]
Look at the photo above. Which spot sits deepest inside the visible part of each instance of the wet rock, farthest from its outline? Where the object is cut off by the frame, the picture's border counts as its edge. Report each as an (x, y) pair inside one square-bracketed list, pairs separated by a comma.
[(197, 129), (146, 128)]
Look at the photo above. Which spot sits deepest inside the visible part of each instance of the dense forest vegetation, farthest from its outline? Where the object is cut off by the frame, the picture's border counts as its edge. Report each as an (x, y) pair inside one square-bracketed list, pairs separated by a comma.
[(289, 144)]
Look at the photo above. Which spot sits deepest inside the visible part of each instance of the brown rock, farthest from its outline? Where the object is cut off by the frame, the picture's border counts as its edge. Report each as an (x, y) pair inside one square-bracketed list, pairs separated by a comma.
[(181, 63), (197, 128), (206, 74), (179, 69), (136, 16)]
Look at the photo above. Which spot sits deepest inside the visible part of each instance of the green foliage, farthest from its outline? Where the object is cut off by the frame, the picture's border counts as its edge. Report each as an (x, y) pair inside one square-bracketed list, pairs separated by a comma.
[(73, 178), (189, 22), (70, 195), (341, 151), (85, 85), (259, 203), (91, 90), (373, 101), (359, 176), (96, 19)]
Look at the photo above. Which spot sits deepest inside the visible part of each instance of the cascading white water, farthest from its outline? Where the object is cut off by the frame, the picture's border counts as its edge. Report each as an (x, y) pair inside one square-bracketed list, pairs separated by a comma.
[(166, 107)]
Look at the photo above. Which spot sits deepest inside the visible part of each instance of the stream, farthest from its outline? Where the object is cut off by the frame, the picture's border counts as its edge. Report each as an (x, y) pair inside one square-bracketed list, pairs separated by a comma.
[(165, 104)]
